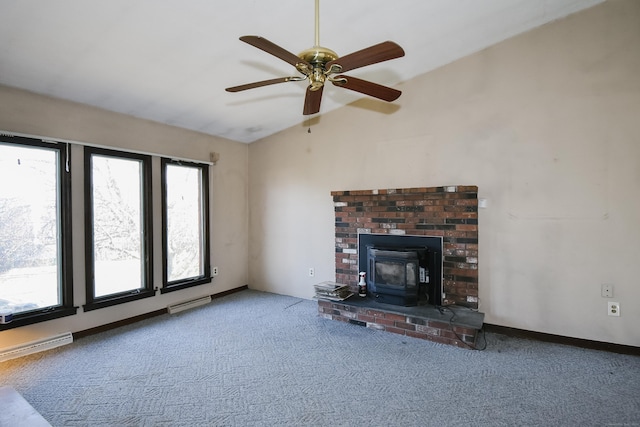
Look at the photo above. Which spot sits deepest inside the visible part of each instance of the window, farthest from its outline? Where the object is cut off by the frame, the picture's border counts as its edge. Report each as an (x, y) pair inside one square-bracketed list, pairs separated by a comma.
[(185, 219), (118, 227), (35, 231)]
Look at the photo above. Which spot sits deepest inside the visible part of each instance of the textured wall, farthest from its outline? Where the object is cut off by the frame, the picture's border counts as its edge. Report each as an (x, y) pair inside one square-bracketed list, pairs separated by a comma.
[(545, 124), (27, 113)]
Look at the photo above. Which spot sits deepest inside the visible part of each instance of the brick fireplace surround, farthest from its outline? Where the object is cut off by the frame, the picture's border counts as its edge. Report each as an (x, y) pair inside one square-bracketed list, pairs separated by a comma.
[(449, 212)]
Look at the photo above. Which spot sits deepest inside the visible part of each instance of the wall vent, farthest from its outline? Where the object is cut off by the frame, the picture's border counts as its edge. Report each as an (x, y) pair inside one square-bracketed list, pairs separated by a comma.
[(186, 305), (36, 346)]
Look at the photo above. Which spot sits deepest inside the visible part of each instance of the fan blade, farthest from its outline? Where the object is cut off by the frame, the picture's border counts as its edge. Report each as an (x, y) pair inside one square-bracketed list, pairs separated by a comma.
[(262, 83), (275, 50), (312, 101), (371, 55), (368, 88)]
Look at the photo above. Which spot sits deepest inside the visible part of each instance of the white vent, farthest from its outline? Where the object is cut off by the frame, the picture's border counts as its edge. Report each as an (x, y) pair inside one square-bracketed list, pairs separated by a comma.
[(186, 305), (36, 346)]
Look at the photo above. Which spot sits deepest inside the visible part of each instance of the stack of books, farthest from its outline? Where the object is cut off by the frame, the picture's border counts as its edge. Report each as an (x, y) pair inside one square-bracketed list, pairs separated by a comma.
[(332, 291)]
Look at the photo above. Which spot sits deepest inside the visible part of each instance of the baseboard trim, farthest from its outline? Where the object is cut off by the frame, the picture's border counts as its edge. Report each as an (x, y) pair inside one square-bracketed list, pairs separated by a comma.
[(134, 319), (118, 324), (559, 339), (229, 292)]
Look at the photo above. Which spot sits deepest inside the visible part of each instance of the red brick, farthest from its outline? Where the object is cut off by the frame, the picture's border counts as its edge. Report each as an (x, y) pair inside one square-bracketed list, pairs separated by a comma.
[(464, 272), (466, 202), (466, 227), (455, 246), (455, 233), (438, 325), (344, 307), (365, 318), (448, 334), (375, 313), (406, 326), (456, 208), (468, 215), (385, 322), (434, 208), (416, 190), (395, 317)]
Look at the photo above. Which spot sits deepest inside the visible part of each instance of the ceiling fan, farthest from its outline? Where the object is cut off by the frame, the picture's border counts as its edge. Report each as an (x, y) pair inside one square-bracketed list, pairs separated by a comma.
[(320, 65)]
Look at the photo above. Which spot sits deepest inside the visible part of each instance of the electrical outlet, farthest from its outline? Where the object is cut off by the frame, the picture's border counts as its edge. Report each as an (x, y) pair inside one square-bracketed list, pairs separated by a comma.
[(214, 271), (312, 272), (607, 291), (614, 308)]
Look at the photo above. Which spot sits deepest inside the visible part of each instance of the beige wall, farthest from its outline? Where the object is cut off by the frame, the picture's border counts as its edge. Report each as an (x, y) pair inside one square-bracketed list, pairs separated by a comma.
[(31, 114), (546, 124)]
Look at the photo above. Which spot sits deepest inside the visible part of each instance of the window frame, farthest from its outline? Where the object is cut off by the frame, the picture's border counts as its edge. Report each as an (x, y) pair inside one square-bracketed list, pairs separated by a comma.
[(93, 302), (65, 261), (206, 276)]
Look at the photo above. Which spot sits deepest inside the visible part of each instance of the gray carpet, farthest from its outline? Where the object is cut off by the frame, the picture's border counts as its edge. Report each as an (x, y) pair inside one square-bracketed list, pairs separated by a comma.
[(259, 359)]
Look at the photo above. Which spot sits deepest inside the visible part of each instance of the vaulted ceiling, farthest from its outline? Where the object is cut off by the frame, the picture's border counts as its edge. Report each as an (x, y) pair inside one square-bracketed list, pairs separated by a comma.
[(170, 60)]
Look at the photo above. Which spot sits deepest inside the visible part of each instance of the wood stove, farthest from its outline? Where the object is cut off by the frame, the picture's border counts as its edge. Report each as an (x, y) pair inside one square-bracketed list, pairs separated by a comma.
[(402, 270)]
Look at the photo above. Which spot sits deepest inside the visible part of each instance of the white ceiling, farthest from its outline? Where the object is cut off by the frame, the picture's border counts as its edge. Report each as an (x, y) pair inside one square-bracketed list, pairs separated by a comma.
[(170, 60)]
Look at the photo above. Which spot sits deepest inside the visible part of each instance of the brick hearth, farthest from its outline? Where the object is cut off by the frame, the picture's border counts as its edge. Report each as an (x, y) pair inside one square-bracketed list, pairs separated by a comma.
[(457, 326)]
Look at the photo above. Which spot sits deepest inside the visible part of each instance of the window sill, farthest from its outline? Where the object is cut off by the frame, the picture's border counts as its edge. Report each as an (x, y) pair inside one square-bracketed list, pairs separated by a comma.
[(176, 286), (111, 300), (38, 316)]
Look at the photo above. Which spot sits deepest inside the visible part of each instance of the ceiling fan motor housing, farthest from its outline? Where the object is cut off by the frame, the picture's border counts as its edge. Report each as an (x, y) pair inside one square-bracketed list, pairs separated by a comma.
[(318, 55)]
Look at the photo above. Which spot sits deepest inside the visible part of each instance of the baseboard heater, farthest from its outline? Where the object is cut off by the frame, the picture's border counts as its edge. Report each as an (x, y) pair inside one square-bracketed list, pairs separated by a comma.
[(36, 346), (186, 305)]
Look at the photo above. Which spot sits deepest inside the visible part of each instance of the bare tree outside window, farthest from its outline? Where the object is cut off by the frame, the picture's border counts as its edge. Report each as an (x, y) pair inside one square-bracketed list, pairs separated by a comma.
[(185, 239), (117, 224), (29, 224)]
